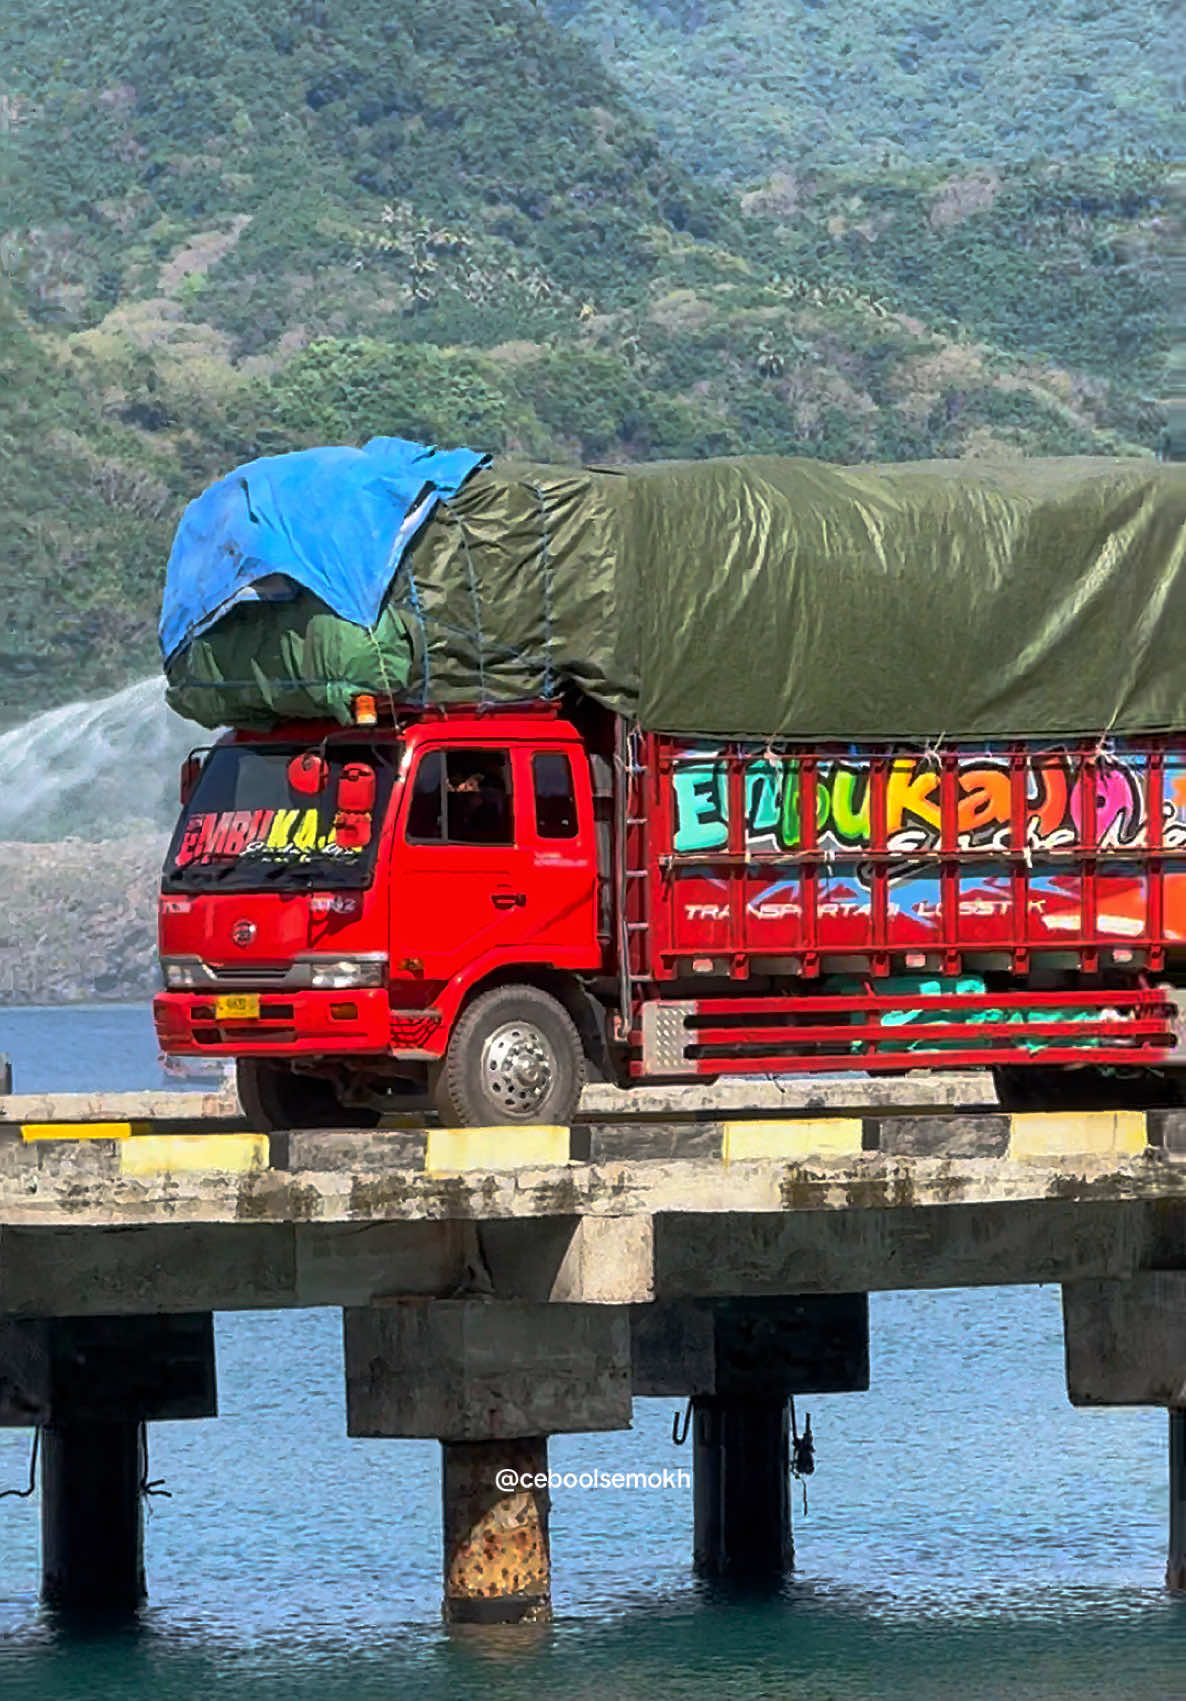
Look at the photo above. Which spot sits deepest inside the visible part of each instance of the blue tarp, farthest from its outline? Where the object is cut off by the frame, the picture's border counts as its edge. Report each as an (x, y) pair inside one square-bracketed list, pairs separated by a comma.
[(336, 521)]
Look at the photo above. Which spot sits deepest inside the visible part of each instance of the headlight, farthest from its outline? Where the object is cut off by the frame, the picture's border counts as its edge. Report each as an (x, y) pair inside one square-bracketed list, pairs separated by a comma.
[(180, 974), (338, 973)]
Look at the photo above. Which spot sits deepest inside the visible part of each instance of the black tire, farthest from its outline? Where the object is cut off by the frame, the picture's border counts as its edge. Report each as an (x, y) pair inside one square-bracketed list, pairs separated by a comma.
[(514, 1056), (1038, 1087), (276, 1097)]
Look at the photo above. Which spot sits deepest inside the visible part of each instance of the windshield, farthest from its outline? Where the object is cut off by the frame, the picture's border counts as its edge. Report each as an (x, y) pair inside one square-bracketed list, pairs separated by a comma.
[(282, 815)]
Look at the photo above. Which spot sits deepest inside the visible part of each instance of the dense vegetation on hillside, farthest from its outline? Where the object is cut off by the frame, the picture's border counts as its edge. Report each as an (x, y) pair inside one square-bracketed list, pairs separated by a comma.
[(231, 232), (741, 87)]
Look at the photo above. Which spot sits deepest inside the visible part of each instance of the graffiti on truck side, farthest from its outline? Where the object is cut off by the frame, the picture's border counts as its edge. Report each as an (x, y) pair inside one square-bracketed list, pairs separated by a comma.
[(1054, 808)]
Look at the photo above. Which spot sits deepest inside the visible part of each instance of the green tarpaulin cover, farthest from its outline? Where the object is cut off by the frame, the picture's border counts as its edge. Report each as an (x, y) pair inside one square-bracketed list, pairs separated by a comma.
[(758, 597)]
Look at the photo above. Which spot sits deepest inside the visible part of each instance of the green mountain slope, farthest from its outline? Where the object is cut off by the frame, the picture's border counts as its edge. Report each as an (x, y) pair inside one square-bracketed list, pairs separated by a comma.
[(281, 132), (743, 87), (87, 506), (231, 232)]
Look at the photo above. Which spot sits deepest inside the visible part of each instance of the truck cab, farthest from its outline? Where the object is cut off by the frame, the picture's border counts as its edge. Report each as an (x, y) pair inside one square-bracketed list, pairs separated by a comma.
[(357, 914)]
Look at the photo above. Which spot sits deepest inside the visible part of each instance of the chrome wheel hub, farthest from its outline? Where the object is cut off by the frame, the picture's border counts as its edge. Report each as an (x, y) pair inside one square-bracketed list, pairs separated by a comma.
[(518, 1069)]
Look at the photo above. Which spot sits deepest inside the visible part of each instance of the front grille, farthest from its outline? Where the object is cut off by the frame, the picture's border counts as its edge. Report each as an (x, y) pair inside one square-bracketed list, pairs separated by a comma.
[(239, 973), (259, 1032)]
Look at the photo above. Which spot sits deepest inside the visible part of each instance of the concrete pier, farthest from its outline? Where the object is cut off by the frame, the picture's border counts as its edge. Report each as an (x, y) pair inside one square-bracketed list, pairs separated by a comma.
[(1175, 1564), (739, 1361), (500, 1286), (492, 1382), (92, 1520), (91, 1385), (495, 1505)]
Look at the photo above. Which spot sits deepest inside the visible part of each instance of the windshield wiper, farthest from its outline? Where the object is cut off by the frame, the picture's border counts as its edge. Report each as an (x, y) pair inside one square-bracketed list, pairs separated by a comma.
[(311, 873), (196, 875)]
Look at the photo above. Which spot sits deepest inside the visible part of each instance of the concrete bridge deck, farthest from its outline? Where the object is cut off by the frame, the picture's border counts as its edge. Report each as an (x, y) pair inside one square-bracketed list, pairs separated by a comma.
[(502, 1285), (615, 1214)]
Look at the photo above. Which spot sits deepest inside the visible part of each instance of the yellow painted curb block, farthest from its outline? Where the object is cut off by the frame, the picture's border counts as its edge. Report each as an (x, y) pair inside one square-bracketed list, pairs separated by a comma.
[(1078, 1134), (792, 1137), (157, 1154), (513, 1147), (82, 1130)]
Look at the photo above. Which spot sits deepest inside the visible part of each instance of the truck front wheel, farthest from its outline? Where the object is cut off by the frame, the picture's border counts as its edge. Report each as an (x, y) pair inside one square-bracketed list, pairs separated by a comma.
[(275, 1096), (514, 1056)]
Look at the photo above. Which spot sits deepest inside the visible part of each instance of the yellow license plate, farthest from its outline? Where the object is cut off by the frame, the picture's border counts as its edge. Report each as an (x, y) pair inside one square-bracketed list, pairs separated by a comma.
[(237, 1007)]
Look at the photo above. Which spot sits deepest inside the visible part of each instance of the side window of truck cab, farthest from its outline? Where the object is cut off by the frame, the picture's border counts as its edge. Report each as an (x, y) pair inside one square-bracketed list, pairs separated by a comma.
[(555, 795), (462, 797)]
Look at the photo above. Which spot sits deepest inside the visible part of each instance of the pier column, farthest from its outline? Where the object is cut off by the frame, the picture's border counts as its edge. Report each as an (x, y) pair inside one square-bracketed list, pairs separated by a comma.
[(495, 1519), (491, 1380), (1175, 1565), (1126, 1346), (739, 1361), (89, 1384), (741, 1487), (92, 1524)]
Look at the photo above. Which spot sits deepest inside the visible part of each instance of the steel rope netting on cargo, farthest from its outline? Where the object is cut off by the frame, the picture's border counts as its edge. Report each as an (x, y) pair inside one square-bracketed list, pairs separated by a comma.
[(418, 630)]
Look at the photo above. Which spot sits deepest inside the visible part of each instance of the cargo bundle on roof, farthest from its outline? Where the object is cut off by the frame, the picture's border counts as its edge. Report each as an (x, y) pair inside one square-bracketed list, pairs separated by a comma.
[(755, 597)]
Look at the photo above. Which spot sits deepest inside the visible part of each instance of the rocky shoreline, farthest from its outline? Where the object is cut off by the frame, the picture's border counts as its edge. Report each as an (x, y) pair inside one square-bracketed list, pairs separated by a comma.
[(78, 920)]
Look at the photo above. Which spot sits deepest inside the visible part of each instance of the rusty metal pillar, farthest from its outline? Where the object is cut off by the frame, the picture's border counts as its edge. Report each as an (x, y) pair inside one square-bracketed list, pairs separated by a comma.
[(741, 1486), (1175, 1565), (497, 1561)]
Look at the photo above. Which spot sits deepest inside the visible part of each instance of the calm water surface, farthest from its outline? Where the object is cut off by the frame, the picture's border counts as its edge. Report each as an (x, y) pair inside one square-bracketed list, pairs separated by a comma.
[(968, 1534)]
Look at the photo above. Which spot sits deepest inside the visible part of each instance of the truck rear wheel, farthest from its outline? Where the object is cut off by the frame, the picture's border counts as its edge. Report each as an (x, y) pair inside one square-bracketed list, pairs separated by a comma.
[(275, 1096), (514, 1056)]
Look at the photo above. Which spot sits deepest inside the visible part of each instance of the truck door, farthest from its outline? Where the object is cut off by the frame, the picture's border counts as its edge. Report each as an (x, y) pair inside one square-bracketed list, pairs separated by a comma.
[(492, 863), (556, 822), (460, 879)]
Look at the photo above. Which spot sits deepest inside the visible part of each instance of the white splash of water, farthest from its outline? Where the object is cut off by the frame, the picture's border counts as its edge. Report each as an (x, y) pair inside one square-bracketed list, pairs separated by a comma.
[(95, 769)]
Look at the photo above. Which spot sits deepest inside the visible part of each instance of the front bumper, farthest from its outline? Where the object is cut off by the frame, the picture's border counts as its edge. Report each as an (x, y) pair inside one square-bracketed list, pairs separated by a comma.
[(289, 1023)]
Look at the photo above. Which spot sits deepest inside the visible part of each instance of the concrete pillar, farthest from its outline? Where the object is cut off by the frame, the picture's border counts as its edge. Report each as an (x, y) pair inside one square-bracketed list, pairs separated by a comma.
[(92, 1525), (739, 1360), (88, 1384), (741, 1486), (1126, 1346), (1175, 1565), (491, 1380), (495, 1521)]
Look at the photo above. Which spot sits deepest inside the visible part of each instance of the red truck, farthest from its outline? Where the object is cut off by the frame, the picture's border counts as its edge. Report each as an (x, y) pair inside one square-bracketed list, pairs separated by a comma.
[(491, 907)]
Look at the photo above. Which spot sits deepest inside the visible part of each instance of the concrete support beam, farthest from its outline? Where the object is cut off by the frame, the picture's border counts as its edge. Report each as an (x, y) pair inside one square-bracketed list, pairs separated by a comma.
[(741, 1487), (572, 1260), (65, 1370), (485, 1370), (92, 1522), (1126, 1340), (875, 1244), (495, 1522), (803, 1344), (603, 1260)]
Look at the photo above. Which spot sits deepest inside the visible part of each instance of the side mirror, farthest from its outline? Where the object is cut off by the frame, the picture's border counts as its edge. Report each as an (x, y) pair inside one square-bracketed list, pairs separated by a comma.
[(308, 773), (190, 769)]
